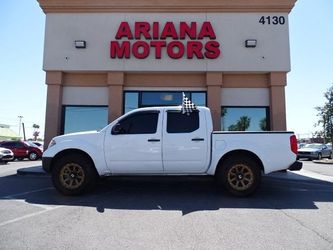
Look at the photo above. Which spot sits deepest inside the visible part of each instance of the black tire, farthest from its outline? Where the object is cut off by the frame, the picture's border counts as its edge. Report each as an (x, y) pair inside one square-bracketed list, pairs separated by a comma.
[(319, 156), (240, 176), (33, 156), (73, 174), (330, 156)]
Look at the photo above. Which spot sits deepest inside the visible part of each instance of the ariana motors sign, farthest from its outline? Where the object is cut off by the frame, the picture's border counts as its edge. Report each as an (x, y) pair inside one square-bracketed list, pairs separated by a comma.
[(176, 40)]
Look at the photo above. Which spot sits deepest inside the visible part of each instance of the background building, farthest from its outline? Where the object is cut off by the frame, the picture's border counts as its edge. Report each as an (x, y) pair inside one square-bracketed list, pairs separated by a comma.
[(103, 58), (8, 134)]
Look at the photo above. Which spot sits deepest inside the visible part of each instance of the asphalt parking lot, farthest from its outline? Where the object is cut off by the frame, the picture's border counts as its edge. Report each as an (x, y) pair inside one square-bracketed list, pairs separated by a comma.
[(166, 213)]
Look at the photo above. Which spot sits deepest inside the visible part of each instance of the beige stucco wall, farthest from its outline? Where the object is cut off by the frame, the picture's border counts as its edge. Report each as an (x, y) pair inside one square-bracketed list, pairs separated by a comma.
[(264, 67)]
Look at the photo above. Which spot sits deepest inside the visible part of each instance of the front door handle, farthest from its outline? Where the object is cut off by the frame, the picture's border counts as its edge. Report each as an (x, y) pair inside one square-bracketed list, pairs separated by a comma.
[(154, 140), (198, 139)]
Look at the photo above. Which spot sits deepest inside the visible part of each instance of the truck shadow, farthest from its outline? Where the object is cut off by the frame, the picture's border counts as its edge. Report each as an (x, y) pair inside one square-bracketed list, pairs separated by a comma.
[(184, 194)]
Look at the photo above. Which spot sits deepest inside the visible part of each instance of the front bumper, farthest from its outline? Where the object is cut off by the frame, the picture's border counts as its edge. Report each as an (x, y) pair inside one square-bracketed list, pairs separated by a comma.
[(46, 163), (297, 165), (307, 155), (7, 158)]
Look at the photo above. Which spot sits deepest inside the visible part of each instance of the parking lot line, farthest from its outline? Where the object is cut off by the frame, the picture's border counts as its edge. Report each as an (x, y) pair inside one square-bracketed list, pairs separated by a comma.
[(25, 193), (27, 216)]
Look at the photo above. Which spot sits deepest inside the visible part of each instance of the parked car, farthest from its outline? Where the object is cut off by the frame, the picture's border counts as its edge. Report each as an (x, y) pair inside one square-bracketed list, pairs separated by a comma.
[(22, 149), (314, 151), (6, 155)]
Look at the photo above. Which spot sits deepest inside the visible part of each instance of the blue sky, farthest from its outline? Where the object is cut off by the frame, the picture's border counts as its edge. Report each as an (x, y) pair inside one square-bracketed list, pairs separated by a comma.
[(22, 81), (311, 44)]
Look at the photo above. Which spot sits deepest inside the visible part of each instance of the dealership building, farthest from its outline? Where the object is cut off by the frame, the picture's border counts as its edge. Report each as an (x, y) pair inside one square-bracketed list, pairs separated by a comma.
[(103, 58)]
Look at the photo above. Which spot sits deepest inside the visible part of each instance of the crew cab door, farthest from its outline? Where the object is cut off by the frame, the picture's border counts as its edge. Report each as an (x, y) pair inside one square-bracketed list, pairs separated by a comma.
[(133, 145), (185, 143)]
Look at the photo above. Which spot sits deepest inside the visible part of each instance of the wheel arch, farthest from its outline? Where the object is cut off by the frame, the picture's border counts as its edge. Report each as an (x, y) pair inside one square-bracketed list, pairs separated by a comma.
[(239, 154), (73, 151)]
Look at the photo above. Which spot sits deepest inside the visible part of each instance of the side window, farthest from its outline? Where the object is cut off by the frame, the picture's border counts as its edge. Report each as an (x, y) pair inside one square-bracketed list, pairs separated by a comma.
[(182, 123), (139, 123), (9, 144)]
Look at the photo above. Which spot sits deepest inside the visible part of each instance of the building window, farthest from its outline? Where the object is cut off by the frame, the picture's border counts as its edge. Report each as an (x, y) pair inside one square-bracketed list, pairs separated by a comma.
[(131, 101), (139, 99), (84, 118), (245, 118)]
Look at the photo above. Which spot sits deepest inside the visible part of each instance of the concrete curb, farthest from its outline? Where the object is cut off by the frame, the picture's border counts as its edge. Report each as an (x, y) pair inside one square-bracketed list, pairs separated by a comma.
[(34, 171), (328, 161)]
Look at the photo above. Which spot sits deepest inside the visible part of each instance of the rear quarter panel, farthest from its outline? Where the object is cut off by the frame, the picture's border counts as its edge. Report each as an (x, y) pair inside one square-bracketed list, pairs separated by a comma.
[(272, 148)]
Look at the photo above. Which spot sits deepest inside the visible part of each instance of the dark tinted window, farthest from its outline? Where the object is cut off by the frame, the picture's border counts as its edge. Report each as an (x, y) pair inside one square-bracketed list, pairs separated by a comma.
[(182, 123), (8, 144), (140, 123)]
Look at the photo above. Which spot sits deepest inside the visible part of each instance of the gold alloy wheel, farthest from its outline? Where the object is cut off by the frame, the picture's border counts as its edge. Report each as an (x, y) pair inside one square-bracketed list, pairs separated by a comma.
[(71, 176), (240, 177)]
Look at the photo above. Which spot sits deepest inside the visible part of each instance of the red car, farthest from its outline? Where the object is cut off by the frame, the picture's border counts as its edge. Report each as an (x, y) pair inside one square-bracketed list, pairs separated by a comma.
[(22, 149)]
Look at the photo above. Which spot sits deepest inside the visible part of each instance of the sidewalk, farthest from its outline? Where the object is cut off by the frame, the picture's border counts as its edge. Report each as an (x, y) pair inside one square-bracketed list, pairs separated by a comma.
[(36, 170), (302, 175)]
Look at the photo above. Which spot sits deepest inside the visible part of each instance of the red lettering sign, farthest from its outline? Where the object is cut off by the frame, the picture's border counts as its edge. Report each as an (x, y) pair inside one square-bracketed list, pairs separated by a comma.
[(196, 45), (124, 30)]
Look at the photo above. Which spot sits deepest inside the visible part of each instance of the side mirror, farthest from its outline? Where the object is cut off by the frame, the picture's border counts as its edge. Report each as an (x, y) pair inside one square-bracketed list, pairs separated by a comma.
[(116, 130)]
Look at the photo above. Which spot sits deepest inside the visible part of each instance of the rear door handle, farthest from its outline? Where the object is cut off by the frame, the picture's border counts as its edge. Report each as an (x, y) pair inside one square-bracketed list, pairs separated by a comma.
[(198, 139), (154, 140)]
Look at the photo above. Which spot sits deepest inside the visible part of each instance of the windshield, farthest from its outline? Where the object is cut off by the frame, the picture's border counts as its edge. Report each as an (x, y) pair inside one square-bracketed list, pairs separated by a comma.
[(318, 146), (31, 144)]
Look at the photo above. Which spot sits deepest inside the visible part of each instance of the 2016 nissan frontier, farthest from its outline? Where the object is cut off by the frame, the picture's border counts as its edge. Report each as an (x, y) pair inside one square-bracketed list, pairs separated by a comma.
[(164, 141)]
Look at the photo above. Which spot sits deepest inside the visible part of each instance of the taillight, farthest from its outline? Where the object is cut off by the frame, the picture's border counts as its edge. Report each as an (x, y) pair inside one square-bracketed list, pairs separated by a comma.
[(293, 144)]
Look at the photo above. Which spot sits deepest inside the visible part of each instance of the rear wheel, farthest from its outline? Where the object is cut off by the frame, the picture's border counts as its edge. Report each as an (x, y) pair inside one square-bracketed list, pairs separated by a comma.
[(73, 174), (241, 177)]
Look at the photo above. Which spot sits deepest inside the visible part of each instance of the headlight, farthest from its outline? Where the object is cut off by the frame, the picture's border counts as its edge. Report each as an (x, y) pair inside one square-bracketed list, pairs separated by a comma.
[(52, 143)]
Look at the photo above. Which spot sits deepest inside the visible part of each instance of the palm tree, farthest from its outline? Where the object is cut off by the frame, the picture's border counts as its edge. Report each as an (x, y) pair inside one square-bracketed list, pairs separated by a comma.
[(36, 132), (242, 124)]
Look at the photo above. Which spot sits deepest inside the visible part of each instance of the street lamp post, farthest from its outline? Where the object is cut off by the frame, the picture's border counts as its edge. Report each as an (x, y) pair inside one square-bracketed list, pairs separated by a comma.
[(20, 117)]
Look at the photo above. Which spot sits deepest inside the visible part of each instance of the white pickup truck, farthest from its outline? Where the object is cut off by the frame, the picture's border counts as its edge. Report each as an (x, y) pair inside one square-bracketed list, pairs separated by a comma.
[(164, 141)]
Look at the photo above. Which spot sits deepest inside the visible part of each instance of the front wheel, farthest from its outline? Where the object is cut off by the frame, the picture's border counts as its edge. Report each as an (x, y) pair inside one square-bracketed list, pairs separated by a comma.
[(73, 174), (319, 156), (33, 156), (241, 177)]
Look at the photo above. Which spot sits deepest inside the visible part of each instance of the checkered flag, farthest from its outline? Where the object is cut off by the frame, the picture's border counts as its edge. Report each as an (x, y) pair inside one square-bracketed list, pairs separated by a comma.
[(187, 106)]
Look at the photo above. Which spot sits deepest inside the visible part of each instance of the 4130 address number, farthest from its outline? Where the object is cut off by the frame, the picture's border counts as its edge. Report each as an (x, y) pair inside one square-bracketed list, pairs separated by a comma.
[(272, 20)]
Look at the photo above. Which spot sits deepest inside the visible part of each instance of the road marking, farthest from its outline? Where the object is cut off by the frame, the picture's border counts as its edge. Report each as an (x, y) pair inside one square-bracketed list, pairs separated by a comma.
[(12, 197), (27, 216), (24, 193)]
